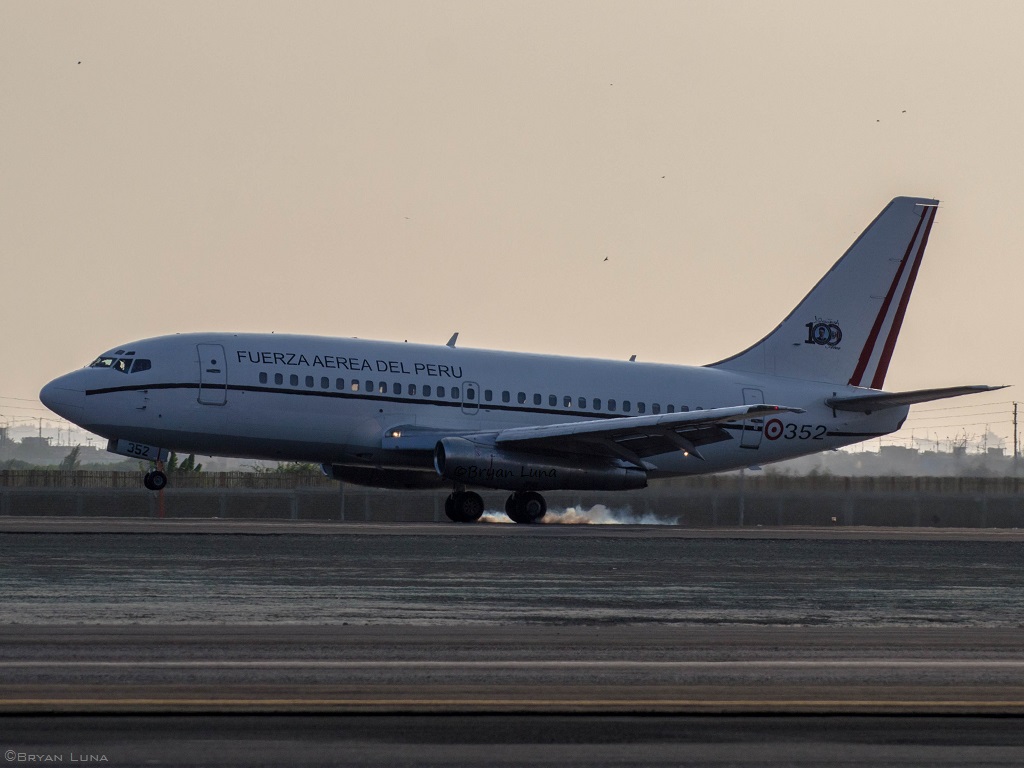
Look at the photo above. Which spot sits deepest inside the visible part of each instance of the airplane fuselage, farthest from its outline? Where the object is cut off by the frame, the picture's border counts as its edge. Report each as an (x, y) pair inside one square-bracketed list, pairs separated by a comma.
[(336, 401)]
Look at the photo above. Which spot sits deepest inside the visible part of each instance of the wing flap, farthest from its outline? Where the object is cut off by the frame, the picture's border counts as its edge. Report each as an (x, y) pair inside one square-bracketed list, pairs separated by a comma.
[(636, 437)]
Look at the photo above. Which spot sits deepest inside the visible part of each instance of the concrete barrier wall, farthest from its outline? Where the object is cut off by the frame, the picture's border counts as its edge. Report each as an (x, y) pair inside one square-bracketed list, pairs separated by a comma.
[(693, 507)]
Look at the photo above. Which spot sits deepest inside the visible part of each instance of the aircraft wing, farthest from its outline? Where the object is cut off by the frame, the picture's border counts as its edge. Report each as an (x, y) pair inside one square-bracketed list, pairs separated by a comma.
[(635, 437), (878, 401)]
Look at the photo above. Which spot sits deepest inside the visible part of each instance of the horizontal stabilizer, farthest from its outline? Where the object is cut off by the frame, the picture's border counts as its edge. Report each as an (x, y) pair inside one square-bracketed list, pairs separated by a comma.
[(883, 400)]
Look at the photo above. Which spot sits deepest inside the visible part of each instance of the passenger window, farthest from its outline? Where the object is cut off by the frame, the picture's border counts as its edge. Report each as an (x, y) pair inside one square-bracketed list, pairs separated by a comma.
[(597, 403), (294, 380), (412, 389), (582, 402), (355, 385), (552, 400), (536, 399), (279, 378), (488, 395), (506, 396), (655, 408), (671, 409), (641, 408), (521, 397), (144, 365), (685, 408), (339, 383), (470, 394), (426, 390), (611, 405), (263, 378), (325, 383), (567, 401), (440, 391), (309, 381), (397, 389), (383, 388), (368, 387), (626, 406), (455, 393)]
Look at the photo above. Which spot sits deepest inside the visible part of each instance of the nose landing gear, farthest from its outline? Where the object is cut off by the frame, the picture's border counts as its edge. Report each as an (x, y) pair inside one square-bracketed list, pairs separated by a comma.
[(155, 480)]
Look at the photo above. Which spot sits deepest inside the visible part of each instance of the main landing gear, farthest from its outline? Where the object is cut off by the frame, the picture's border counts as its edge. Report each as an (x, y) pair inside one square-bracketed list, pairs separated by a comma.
[(522, 507), (464, 507), (525, 507)]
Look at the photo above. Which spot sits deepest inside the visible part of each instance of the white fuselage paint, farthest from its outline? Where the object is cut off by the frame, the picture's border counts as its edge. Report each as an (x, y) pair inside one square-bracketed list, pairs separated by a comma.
[(236, 407)]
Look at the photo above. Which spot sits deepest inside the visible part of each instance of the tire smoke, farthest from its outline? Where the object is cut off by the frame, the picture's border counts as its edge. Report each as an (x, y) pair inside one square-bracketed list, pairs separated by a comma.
[(599, 514)]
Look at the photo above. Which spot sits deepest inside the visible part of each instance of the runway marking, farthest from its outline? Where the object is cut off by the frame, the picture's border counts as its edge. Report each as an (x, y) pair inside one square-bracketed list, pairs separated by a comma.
[(526, 664)]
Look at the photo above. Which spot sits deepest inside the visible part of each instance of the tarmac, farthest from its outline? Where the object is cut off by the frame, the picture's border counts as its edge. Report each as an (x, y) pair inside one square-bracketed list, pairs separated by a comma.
[(244, 642)]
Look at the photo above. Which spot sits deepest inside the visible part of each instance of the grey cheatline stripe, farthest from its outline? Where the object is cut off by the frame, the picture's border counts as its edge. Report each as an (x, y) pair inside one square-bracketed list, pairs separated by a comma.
[(876, 329)]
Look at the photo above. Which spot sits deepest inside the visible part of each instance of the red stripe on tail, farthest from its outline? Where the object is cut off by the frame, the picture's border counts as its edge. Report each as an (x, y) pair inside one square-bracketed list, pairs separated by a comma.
[(876, 329), (901, 310)]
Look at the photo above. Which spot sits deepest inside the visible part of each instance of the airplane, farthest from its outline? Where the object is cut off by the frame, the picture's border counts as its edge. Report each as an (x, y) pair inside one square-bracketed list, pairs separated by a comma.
[(400, 415)]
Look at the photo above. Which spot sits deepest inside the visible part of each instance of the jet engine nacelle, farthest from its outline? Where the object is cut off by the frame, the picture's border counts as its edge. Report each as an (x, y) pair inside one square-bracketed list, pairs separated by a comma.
[(483, 465)]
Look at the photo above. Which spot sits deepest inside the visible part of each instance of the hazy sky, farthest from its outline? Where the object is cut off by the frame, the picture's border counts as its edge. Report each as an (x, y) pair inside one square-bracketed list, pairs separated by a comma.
[(403, 170)]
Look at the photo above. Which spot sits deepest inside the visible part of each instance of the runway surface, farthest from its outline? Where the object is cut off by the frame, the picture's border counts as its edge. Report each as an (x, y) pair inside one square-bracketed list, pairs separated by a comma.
[(582, 670), (540, 636), (546, 740)]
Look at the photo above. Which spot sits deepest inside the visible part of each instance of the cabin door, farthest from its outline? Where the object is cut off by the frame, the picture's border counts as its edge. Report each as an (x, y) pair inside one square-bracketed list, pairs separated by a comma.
[(752, 427), (213, 374)]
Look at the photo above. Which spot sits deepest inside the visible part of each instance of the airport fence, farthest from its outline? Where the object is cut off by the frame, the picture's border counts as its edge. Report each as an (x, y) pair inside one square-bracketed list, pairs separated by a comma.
[(53, 478)]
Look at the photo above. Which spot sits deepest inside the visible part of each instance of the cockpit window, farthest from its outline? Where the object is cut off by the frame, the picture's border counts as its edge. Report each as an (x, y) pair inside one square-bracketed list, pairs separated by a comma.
[(122, 364)]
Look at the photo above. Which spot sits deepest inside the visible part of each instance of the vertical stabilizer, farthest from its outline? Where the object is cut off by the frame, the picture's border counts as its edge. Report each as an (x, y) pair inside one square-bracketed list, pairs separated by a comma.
[(844, 331)]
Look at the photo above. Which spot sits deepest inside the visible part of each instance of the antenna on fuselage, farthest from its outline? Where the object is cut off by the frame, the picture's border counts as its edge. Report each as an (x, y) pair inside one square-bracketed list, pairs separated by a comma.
[(452, 340)]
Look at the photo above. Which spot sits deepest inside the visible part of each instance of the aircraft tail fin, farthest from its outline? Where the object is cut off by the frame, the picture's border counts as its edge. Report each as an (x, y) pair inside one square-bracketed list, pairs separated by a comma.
[(844, 331)]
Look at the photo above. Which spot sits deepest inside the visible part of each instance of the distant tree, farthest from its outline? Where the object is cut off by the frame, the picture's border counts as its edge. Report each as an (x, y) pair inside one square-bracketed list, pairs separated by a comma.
[(296, 467), (284, 467), (72, 461), (188, 465), (17, 464)]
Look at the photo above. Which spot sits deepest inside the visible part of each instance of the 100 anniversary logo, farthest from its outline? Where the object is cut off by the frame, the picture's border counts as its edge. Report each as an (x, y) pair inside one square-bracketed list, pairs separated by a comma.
[(825, 333)]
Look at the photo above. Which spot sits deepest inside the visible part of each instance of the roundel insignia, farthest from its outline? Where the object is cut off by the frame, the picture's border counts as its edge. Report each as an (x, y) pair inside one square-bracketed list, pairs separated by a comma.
[(773, 429)]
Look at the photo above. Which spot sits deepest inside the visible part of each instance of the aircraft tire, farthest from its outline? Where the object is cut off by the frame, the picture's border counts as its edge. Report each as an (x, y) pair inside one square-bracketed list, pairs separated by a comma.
[(525, 507), (155, 480), (464, 507)]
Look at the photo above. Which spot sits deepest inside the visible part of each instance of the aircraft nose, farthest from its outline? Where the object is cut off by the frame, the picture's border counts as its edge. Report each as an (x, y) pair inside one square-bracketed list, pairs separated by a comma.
[(64, 397)]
